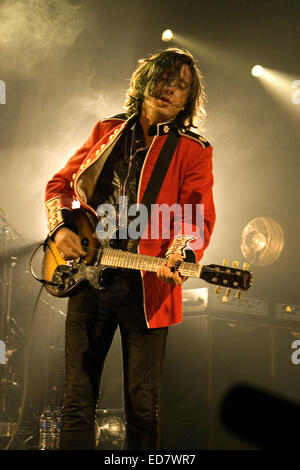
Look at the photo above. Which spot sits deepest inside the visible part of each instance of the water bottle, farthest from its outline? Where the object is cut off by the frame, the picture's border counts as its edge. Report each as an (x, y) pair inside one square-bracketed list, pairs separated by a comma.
[(56, 427), (46, 425)]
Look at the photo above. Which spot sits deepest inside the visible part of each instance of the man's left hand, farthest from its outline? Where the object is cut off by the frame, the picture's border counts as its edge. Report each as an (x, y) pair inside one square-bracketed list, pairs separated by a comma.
[(165, 274)]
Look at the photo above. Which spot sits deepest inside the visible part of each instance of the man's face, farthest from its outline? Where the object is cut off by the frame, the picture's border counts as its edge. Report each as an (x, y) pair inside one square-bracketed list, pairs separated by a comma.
[(169, 100)]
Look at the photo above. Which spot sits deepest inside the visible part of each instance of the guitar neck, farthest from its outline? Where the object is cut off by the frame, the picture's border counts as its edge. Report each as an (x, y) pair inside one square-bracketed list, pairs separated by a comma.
[(124, 259)]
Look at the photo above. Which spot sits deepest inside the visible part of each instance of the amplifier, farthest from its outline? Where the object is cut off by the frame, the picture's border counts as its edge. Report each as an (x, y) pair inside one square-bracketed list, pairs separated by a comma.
[(194, 300), (247, 305), (197, 301), (287, 312)]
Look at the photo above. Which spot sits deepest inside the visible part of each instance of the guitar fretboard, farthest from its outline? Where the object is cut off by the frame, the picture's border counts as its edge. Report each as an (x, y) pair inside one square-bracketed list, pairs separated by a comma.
[(124, 259)]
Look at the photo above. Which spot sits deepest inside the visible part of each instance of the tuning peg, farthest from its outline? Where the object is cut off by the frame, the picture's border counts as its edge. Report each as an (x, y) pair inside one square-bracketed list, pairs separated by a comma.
[(224, 298), (227, 293), (218, 290), (238, 294), (235, 264), (225, 262), (246, 266)]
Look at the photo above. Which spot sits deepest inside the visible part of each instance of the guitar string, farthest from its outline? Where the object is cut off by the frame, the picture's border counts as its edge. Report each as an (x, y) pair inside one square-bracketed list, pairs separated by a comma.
[(150, 263), (118, 251), (184, 268)]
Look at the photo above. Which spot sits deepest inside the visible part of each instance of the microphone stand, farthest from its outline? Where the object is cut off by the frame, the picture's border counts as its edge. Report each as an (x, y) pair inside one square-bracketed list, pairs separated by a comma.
[(6, 296)]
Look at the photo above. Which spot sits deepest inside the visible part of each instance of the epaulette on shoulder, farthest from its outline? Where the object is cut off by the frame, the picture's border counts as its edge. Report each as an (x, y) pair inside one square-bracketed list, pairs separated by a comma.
[(193, 135), (117, 117)]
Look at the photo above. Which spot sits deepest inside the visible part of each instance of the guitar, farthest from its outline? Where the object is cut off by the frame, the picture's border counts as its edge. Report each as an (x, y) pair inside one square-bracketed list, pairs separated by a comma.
[(63, 277)]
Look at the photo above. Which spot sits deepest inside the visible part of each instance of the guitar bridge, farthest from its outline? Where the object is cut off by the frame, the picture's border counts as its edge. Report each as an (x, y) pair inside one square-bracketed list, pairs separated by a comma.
[(63, 277)]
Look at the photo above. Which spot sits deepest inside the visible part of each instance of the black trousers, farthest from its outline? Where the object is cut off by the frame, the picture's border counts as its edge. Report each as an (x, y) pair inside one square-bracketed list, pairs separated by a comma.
[(92, 319)]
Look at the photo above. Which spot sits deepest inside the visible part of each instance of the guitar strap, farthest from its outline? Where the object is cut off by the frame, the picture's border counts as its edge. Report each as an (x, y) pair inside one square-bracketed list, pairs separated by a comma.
[(154, 185)]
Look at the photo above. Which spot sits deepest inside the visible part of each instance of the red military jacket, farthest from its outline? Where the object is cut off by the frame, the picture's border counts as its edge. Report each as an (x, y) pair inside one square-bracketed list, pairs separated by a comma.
[(188, 181)]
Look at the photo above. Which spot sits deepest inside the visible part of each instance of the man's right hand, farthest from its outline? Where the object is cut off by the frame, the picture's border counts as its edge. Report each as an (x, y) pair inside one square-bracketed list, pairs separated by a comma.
[(68, 244)]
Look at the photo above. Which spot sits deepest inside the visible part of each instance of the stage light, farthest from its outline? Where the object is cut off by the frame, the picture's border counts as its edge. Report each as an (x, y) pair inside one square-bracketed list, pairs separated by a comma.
[(285, 88), (110, 429), (167, 35), (262, 241), (257, 71)]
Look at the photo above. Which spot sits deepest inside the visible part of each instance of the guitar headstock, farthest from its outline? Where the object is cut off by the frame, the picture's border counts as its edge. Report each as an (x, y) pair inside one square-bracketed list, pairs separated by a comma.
[(228, 277)]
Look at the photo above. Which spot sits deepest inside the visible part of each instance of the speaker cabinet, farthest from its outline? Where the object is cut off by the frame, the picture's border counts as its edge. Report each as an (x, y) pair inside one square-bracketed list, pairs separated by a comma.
[(184, 398), (239, 352), (286, 372)]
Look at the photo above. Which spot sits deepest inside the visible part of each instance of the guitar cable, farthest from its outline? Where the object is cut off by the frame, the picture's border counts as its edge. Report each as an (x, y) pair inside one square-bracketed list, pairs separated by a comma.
[(42, 281)]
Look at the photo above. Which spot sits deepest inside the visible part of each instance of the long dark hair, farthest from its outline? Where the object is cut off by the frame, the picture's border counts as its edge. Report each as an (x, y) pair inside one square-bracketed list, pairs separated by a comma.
[(152, 71)]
